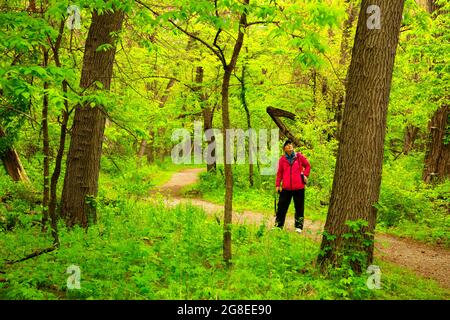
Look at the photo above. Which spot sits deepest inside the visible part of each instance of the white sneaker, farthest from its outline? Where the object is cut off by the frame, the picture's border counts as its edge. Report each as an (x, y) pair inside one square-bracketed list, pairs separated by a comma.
[(298, 230)]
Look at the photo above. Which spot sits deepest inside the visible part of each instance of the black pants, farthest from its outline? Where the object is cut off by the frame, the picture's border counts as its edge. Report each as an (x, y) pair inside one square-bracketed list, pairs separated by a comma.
[(283, 205)]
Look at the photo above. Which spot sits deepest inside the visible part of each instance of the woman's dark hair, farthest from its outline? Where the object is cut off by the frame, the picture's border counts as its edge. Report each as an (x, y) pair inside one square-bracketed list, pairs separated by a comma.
[(287, 142)]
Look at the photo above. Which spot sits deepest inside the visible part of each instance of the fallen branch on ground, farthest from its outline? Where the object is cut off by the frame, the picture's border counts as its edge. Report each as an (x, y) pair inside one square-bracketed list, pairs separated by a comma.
[(34, 254)]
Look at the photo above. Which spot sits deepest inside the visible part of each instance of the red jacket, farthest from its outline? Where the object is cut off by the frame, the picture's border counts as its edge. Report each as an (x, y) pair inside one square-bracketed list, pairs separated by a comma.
[(291, 174)]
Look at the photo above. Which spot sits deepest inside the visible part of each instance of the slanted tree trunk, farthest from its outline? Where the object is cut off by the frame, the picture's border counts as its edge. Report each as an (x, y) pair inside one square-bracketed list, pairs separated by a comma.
[(275, 114), (12, 164), (83, 159), (357, 176)]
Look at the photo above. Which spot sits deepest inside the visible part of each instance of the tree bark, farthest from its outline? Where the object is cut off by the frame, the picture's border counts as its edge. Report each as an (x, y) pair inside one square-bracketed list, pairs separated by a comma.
[(83, 160), (352, 11), (247, 114), (357, 176), (207, 113), (12, 163), (228, 68), (227, 253), (62, 142), (275, 114), (432, 6), (411, 132), (45, 149), (437, 157)]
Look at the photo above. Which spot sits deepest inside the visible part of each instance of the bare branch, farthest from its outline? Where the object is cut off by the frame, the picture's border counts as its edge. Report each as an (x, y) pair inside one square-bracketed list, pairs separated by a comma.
[(261, 22), (217, 53)]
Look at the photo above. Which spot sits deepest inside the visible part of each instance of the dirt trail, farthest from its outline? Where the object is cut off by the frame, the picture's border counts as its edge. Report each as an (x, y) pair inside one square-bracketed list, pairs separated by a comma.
[(428, 261)]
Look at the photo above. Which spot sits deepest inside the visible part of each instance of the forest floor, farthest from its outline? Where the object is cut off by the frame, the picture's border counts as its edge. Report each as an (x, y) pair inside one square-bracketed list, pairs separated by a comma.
[(426, 260)]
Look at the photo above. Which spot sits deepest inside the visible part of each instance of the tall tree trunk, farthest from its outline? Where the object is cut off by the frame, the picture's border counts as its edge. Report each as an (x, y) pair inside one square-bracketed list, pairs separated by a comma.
[(12, 163), (228, 69), (227, 253), (352, 11), (437, 156), (357, 176), (247, 114), (45, 149), (207, 114), (83, 160), (62, 143)]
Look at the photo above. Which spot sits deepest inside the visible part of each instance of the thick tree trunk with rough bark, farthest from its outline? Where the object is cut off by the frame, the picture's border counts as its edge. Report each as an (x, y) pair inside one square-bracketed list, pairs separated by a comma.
[(357, 176), (83, 159), (12, 164), (437, 157)]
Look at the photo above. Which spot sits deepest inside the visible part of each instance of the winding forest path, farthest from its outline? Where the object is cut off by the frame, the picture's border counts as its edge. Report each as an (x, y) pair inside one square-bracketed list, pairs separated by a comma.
[(428, 261)]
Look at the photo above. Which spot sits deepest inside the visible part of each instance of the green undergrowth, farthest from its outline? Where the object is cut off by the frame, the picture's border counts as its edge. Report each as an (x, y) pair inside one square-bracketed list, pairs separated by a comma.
[(407, 206), (143, 250)]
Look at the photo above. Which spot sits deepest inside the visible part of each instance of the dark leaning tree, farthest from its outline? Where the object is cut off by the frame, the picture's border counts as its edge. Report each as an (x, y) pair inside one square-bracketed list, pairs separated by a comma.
[(357, 177), (83, 159)]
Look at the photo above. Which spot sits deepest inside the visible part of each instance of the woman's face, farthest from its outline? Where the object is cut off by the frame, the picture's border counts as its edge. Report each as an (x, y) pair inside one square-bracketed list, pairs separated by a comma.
[(288, 149)]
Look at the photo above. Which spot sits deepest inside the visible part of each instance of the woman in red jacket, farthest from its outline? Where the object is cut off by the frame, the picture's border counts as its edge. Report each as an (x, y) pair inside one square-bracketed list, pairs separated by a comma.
[(293, 172)]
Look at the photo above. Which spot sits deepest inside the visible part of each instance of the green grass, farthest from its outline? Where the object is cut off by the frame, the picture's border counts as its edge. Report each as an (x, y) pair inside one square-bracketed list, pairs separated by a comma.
[(146, 251), (140, 249), (130, 179), (407, 208), (257, 199)]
